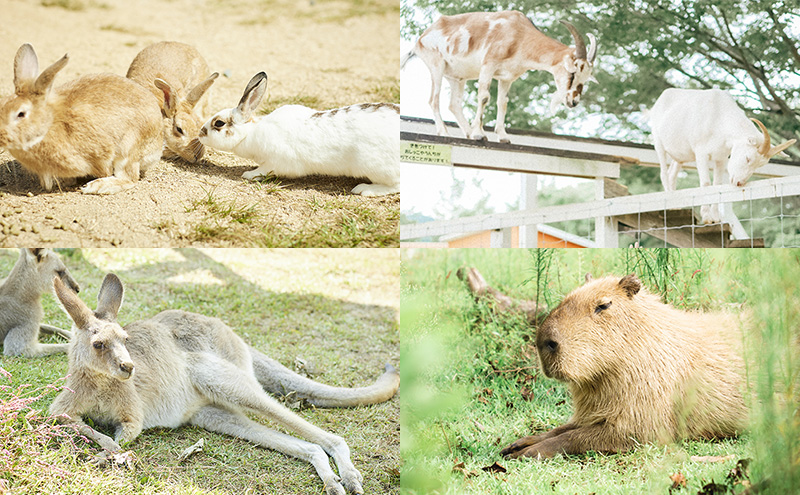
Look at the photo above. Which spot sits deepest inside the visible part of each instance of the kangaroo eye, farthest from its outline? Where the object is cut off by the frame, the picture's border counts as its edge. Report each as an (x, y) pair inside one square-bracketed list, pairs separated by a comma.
[(98, 345), (601, 307), (179, 130), (218, 123)]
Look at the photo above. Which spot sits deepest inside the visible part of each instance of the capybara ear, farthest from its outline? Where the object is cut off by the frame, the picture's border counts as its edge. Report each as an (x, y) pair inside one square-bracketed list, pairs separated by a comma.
[(588, 278), (630, 284)]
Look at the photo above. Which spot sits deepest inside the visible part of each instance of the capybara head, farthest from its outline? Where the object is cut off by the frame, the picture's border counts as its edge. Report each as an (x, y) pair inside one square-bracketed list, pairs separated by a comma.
[(584, 337)]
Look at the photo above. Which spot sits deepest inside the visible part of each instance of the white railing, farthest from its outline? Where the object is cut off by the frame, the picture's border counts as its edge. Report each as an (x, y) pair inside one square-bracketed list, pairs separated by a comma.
[(604, 211)]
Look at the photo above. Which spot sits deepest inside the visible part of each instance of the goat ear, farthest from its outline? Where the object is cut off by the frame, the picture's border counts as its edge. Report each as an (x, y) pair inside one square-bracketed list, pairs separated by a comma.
[(777, 149), (631, 285), (109, 300), (75, 308)]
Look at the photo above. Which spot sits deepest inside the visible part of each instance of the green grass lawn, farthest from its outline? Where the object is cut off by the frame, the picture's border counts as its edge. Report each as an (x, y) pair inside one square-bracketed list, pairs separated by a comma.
[(472, 382), (336, 310)]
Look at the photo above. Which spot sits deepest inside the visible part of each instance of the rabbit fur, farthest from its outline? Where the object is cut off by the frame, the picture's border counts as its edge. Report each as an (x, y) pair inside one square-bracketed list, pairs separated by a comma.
[(294, 141), (179, 77), (100, 125)]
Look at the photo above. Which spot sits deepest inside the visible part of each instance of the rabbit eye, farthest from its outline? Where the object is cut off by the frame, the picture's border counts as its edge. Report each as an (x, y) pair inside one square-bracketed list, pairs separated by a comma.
[(218, 123), (21, 115), (179, 130)]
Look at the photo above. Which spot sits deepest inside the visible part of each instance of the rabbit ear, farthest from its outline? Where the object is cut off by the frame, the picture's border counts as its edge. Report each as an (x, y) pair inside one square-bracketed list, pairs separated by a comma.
[(26, 67), (252, 95), (45, 79), (170, 97), (197, 92)]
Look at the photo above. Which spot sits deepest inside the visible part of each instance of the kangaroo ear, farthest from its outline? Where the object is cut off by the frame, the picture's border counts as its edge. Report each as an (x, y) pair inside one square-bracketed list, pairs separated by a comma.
[(109, 299), (38, 253), (252, 96), (631, 285), (75, 308), (588, 278)]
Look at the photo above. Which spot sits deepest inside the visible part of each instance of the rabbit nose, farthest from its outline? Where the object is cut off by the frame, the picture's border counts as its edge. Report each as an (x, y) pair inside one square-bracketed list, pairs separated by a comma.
[(203, 131)]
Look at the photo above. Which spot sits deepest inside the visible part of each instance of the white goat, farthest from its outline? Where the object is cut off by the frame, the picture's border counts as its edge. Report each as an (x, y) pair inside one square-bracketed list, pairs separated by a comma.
[(503, 46), (708, 127)]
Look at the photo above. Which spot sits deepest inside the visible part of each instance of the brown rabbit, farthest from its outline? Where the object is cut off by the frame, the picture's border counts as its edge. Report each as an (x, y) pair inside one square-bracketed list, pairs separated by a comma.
[(100, 125), (176, 74)]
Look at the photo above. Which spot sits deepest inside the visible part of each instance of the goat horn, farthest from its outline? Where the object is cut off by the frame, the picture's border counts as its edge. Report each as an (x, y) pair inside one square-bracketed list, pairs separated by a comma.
[(580, 47), (765, 146), (592, 48)]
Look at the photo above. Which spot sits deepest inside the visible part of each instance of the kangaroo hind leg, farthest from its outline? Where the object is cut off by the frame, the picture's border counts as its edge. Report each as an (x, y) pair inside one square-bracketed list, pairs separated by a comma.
[(237, 389), (236, 424)]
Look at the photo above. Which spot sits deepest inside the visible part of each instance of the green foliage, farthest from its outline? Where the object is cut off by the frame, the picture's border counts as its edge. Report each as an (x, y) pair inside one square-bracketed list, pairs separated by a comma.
[(489, 358)]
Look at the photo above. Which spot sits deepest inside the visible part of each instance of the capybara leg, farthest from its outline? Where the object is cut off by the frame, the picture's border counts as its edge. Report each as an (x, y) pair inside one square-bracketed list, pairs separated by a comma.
[(515, 449), (575, 441)]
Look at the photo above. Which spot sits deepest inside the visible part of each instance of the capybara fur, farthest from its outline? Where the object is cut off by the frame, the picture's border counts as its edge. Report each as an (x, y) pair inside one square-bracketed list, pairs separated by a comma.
[(638, 371)]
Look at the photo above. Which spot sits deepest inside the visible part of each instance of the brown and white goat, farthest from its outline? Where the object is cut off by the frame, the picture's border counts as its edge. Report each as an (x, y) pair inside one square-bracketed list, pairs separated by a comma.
[(503, 46)]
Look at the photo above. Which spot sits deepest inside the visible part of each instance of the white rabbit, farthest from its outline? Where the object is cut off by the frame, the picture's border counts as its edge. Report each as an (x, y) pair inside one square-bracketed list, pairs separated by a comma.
[(293, 141), (100, 125), (178, 76)]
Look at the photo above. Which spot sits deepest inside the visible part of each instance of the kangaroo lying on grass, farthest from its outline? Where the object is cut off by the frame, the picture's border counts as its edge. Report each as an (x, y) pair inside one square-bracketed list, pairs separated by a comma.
[(21, 306), (184, 368)]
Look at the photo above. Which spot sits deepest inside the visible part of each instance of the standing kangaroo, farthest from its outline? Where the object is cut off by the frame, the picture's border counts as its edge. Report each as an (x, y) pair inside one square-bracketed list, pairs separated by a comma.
[(178, 367), (21, 306)]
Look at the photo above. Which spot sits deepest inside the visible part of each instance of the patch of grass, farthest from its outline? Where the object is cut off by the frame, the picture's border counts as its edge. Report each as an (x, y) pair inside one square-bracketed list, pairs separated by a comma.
[(135, 31), (328, 11), (334, 309), (385, 91), (473, 385), (74, 5)]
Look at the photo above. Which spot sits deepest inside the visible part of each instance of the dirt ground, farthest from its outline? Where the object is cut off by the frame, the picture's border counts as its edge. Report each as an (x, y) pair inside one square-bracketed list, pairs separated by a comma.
[(320, 53)]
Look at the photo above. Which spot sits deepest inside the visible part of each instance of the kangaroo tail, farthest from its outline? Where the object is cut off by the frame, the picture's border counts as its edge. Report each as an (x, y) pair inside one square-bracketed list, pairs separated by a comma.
[(278, 379), (408, 56)]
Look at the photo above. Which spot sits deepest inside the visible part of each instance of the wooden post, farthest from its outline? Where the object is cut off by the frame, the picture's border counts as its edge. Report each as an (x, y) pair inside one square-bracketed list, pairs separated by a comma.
[(529, 234), (606, 229)]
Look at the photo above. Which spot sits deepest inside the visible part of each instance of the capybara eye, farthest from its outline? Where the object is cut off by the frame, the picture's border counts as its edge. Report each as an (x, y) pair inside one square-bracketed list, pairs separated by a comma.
[(98, 345), (601, 307), (218, 123), (551, 345)]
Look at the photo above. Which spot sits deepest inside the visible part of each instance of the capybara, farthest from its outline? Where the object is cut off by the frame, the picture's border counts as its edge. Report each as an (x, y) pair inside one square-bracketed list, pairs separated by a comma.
[(638, 371)]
